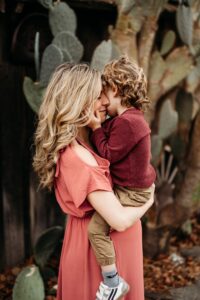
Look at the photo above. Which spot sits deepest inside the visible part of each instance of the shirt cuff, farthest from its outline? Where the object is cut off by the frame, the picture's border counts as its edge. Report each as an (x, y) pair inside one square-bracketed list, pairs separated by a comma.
[(97, 134)]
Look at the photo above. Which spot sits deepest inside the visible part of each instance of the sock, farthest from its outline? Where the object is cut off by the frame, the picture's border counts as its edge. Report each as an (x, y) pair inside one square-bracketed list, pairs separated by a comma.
[(111, 278)]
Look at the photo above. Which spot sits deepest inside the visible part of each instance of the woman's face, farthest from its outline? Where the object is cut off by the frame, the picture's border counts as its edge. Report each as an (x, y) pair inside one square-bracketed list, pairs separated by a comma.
[(101, 105)]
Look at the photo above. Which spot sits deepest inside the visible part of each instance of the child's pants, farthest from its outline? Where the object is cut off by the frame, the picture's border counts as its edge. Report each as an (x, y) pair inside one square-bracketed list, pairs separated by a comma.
[(99, 230)]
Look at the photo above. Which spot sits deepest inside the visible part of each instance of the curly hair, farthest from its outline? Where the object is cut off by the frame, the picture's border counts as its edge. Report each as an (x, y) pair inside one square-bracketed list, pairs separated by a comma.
[(67, 105), (130, 81)]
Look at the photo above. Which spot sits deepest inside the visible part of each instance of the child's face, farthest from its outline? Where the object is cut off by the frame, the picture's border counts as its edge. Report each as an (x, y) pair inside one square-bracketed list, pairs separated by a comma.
[(114, 102), (101, 105)]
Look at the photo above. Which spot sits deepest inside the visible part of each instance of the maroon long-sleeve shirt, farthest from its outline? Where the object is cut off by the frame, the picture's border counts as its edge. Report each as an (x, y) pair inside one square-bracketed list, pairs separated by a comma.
[(125, 141)]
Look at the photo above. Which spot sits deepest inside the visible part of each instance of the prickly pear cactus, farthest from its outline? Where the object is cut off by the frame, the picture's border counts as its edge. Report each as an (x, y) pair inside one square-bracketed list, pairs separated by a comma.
[(193, 79), (52, 57), (65, 47), (67, 56), (115, 51), (33, 93), (168, 120), (46, 3), (29, 285), (127, 5), (103, 53), (165, 74), (37, 55), (65, 40), (179, 64), (62, 18), (46, 244), (168, 42), (156, 73), (185, 23)]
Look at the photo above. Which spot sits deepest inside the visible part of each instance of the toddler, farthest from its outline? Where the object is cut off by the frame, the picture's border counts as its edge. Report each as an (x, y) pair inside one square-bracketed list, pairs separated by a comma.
[(123, 139)]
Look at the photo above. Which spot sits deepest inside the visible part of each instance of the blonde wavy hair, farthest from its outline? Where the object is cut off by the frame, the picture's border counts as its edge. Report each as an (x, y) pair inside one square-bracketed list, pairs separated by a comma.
[(67, 105), (130, 81)]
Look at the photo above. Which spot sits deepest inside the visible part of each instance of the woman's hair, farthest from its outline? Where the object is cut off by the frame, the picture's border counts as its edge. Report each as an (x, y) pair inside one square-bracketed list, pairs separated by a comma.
[(67, 105), (130, 81)]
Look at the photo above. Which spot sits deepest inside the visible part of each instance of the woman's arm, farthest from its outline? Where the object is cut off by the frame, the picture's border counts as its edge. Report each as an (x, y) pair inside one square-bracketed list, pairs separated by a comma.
[(118, 217), (106, 204)]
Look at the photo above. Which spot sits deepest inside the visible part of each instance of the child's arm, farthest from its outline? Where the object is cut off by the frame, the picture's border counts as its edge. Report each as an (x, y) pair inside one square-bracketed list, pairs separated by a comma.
[(122, 138)]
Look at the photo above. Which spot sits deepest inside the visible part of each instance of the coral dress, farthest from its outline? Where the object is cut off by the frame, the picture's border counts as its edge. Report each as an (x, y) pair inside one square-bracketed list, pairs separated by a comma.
[(79, 274)]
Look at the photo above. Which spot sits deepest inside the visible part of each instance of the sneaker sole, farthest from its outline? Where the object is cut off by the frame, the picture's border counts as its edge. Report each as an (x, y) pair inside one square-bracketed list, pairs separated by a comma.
[(124, 292)]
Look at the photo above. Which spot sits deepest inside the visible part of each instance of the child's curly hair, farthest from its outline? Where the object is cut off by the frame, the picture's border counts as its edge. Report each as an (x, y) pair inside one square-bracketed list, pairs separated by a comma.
[(130, 81)]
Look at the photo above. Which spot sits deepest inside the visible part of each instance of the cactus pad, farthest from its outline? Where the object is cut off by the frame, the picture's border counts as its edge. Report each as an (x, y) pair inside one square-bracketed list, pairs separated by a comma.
[(127, 5), (33, 93), (168, 42), (67, 56), (67, 41), (156, 72), (62, 18), (52, 57), (193, 79), (37, 55), (168, 120), (184, 23), (179, 64), (136, 18), (46, 3), (102, 55), (29, 285), (115, 51), (46, 244)]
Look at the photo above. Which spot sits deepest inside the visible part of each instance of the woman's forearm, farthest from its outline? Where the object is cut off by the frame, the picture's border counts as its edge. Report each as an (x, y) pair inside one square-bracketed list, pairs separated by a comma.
[(118, 217)]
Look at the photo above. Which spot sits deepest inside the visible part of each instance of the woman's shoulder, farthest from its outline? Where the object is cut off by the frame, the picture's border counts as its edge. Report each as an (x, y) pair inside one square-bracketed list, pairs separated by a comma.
[(85, 155)]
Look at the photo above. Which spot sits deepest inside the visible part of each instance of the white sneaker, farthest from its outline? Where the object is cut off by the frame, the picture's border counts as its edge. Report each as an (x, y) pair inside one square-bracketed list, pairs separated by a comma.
[(115, 293)]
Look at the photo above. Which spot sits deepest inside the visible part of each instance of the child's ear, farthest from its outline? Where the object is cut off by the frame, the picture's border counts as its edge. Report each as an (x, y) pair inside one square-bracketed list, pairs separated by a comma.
[(115, 90)]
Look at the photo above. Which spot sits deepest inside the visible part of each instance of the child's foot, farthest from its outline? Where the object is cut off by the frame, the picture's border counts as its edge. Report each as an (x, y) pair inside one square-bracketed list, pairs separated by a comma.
[(114, 293)]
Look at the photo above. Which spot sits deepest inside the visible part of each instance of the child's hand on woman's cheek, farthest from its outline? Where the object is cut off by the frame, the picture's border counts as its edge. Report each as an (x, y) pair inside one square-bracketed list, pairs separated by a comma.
[(95, 121)]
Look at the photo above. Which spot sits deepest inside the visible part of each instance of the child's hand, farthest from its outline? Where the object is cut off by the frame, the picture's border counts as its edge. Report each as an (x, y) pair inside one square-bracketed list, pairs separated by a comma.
[(95, 121)]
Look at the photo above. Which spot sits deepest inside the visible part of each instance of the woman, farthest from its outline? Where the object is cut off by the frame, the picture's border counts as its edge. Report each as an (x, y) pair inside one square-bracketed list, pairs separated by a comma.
[(64, 159)]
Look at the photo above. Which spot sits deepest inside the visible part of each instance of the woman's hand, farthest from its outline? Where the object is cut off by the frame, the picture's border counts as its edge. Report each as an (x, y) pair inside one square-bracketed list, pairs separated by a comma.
[(95, 121)]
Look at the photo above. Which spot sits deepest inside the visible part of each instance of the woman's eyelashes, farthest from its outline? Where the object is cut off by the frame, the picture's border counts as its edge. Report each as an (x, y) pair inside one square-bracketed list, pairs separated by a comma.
[(99, 98)]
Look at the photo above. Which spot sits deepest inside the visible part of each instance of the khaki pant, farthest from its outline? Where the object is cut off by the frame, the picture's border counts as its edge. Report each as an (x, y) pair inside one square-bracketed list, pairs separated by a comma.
[(99, 230)]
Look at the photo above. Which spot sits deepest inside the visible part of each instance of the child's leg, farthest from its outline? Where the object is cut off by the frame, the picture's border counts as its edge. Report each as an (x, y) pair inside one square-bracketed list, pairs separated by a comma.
[(132, 196), (98, 232)]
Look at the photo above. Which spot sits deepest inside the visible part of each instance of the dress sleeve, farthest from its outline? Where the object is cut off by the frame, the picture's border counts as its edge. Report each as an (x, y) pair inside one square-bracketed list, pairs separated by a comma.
[(80, 180)]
